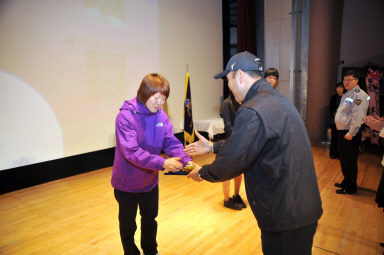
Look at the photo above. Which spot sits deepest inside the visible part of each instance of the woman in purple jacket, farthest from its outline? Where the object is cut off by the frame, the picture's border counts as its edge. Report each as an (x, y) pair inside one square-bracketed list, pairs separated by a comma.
[(143, 130)]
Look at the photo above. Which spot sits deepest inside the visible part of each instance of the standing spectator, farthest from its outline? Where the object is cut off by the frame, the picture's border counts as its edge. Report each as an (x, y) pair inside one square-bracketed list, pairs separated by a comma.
[(377, 124), (228, 112), (333, 105), (349, 117), (272, 76), (143, 130)]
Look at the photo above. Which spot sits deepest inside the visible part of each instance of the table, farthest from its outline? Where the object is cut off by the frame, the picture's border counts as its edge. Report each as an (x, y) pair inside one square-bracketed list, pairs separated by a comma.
[(212, 126)]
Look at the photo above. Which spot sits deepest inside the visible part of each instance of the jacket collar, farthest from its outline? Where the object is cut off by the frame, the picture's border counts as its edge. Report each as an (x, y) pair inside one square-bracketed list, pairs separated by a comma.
[(258, 86), (136, 107)]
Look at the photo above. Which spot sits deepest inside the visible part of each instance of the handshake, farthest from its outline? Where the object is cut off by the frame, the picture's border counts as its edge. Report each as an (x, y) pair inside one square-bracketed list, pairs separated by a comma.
[(202, 146), (174, 165)]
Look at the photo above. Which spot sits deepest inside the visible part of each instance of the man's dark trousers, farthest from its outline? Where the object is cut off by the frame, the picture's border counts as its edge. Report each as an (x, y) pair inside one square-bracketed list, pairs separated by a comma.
[(348, 154), (291, 242)]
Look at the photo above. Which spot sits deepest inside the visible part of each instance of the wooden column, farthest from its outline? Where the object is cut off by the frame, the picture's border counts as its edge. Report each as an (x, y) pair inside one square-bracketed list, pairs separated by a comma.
[(323, 59)]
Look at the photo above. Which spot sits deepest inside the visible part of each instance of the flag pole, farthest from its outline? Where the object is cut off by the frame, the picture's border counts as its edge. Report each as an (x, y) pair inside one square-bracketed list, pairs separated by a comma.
[(189, 134)]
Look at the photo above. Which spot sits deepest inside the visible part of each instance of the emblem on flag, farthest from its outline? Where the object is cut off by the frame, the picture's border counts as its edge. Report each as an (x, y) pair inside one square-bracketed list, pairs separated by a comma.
[(189, 132)]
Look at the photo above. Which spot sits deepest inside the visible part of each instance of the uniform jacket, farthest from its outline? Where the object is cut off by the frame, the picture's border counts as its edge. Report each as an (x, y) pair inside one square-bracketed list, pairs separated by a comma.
[(270, 142), (352, 110), (140, 137)]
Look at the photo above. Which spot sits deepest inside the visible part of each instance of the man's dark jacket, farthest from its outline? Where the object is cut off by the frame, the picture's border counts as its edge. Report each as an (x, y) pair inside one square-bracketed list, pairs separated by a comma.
[(270, 145)]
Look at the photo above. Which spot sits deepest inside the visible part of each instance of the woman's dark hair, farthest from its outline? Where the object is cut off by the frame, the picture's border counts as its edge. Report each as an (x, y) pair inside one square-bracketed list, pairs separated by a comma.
[(271, 72), (151, 84), (235, 104), (340, 84)]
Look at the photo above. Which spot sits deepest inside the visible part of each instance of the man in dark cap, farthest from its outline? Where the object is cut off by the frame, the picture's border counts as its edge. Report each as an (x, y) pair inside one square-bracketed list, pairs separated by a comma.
[(270, 145)]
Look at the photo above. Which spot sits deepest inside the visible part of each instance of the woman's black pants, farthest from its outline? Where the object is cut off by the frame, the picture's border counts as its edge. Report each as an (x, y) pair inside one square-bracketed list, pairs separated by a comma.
[(148, 203)]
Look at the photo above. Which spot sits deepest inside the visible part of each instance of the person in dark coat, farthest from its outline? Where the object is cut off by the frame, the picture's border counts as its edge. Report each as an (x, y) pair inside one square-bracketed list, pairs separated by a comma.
[(377, 124), (270, 145), (333, 105), (228, 113)]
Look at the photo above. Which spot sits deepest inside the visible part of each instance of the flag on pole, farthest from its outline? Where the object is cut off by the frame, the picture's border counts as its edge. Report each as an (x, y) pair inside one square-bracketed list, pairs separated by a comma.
[(189, 132)]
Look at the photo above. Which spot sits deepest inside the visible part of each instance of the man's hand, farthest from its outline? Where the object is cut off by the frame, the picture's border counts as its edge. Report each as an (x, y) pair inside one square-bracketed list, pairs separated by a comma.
[(374, 122), (348, 137), (197, 148), (173, 164), (193, 174)]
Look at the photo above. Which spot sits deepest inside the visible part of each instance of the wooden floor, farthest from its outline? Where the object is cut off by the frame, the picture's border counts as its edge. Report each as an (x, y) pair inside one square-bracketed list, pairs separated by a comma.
[(78, 215)]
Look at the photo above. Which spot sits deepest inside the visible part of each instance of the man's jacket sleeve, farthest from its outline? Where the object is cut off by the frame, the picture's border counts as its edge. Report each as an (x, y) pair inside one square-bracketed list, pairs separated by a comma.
[(358, 113), (240, 151)]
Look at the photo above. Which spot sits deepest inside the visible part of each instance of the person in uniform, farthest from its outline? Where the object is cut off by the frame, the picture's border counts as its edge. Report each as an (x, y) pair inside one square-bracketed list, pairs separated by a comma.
[(349, 117)]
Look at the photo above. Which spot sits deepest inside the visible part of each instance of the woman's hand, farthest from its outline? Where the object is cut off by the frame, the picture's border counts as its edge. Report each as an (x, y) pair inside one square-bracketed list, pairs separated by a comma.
[(374, 122), (173, 164)]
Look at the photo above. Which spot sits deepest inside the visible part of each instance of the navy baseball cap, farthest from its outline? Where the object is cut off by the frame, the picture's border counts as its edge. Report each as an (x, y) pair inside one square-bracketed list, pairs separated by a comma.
[(245, 61)]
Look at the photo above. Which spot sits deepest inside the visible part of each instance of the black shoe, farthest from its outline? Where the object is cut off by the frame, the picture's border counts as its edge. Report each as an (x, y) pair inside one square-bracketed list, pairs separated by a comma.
[(338, 185), (344, 191), (239, 201), (232, 204)]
